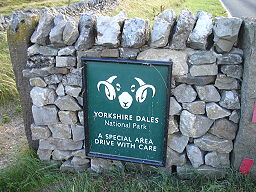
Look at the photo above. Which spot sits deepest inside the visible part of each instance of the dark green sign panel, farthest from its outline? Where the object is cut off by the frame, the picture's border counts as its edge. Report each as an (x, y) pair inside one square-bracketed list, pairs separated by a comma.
[(126, 109)]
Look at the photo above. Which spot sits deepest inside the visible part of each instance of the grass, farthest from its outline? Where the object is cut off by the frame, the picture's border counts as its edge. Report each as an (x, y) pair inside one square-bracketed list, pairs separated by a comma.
[(30, 174)]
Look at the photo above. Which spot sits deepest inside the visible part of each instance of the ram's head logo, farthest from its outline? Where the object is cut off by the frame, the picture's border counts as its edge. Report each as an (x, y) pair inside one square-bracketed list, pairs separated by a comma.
[(126, 94)]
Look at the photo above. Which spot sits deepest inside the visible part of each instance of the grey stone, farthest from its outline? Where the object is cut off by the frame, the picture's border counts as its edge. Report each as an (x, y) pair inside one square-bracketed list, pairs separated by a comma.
[(41, 34), (179, 59), (42, 50), (101, 165), (69, 167), (37, 82), (174, 158), (204, 70), (196, 107), (210, 142), (86, 37), (81, 117), (175, 107), (230, 100), (162, 27), (53, 79), (172, 125), (72, 79), (109, 29), (79, 153), (235, 116), (224, 128), (61, 155), (198, 39), (208, 93), (42, 96), (45, 115), (135, 33), (194, 125), (67, 117), (202, 57), (40, 132), (67, 51), (200, 80), (228, 83), (39, 61), (80, 161), (235, 71), (80, 100), (128, 53), (237, 51), (229, 59), (195, 155), (112, 53), (67, 103), (60, 90), (60, 131), (177, 142), (185, 24), (226, 33), (218, 160), (43, 72), (44, 154), (61, 144), (78, 132), (184, 93), (73, 91), (56, 34), (66, 61), (214, 111), (70, 32)]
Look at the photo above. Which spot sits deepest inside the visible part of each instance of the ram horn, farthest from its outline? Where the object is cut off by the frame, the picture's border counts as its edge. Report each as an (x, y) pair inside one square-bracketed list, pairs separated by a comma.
[(141, 93), (109, 89)]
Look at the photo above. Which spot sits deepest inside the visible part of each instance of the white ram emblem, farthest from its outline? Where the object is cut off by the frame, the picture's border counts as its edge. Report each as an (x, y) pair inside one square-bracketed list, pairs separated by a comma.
[(125, 98)]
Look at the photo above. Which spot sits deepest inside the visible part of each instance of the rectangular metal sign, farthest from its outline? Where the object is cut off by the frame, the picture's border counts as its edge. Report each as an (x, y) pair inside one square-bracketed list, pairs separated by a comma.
[(126, 105)]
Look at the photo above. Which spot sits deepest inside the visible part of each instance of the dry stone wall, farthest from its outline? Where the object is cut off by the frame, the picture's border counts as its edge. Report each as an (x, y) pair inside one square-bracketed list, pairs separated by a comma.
[(205, 87)]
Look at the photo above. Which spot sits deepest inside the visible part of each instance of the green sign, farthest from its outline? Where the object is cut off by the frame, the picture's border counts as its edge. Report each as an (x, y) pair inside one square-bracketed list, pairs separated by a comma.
[(126, 109)]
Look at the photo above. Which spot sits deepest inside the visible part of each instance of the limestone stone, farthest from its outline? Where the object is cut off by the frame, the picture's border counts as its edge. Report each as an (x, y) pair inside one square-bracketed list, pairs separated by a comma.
[(194, 125), (41, 34), (43, 72), (69, 167), (60, 144), (45, 115), (224, 128), (72, 79), (218, 160), (226, 33), (80, 161), (195, 155), (202, 57), (203, 70), (230, 100), (56, 34), (42, 96), (227, 83), (60, 90), (37, 82), (177, 142), (81, 117), (128, 53), (174, 158), (198, 39), (179, 59), (184, 93), (196, 107), (67, 103), (61, 155), (70, 32), (214, 111), (78, 132), (135, 32), (44, 154), (101, 165), (175, 107), (208, 93), (66, 61), (79, 153), (210, 142), (39, 61), (162, 27), (73, 91), (60, 131), (235, 116), (229, 59), (172, 125), (80, 100), (53, 79), (183, 28), (109, 29), (42, 50), (235, 71), (40, 132), (67, 117), (86, 37), (67, 51), (200, 80), (112, 53)]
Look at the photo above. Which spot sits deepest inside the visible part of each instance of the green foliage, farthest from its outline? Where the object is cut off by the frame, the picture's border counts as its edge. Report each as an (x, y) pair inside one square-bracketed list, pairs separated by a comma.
[(6, 118)]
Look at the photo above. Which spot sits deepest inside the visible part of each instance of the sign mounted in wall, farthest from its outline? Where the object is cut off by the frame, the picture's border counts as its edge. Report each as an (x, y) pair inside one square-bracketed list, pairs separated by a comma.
[(126, 105)]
